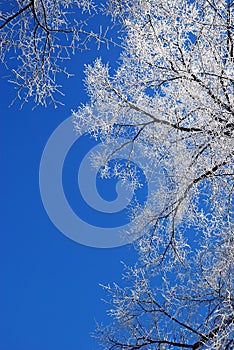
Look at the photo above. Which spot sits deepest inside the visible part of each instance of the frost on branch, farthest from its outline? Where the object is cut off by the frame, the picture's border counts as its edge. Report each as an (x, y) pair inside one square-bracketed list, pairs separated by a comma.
[(37, 37), (173, 96)]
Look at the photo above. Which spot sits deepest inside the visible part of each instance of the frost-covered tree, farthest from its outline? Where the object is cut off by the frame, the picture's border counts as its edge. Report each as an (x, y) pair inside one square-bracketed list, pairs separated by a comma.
[(172, 96), (40, 36)]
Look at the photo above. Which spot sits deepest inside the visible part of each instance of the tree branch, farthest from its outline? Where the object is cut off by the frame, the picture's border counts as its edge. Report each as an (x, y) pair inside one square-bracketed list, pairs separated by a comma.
[(9, 19)]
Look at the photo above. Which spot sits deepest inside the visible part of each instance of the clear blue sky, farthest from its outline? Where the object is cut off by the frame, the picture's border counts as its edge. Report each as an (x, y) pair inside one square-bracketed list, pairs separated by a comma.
[(49, 295)]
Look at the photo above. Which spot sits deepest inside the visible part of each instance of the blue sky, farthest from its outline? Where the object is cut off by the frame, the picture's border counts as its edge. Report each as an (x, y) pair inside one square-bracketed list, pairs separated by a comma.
[(49, 296)]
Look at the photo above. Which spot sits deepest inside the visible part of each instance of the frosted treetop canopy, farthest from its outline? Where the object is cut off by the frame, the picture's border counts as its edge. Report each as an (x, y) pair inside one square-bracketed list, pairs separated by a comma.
[(174, 87), (171, 95)]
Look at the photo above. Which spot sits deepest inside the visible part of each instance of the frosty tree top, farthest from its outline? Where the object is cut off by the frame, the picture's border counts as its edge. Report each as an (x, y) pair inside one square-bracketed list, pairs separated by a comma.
[(175, 88), (173, 96)]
